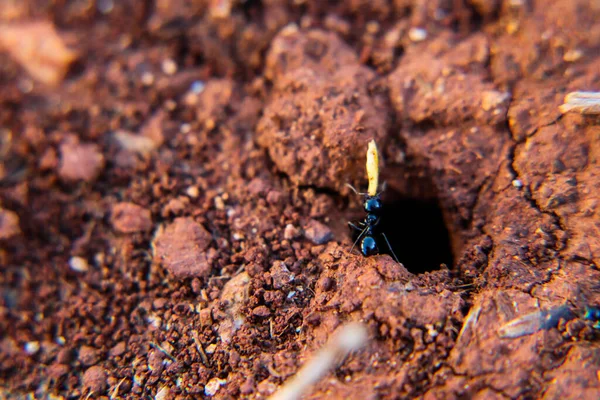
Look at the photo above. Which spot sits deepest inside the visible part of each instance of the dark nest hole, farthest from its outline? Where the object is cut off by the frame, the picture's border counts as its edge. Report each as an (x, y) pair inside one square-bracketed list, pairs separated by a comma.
[(414, 225), (416, 231)]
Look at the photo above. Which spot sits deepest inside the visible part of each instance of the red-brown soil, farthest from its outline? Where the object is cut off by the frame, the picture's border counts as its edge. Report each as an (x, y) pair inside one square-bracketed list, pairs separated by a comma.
[(173, 204)]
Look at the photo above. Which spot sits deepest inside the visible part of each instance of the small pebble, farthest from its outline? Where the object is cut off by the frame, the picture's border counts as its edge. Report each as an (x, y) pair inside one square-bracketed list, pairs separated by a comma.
[(147, 78), (118, 350), (181, 248), (175, 206), (219, 203), (135, 143), (266, 387), (281, 275), (517, 183), (9, 224), (261, 311), (291, 232), (169, 66), (492, 98), (87, 355), (164, 393), (417, 34), (80, 162), (57, 371), (64, 356), (573, 55), (94, 379), (193, 192), (49, 160), (38, 47), (130, 218), (317, 232), (79, 264), (32, 347), (211, 348), (185, 128), (213, 386), (197, 87)]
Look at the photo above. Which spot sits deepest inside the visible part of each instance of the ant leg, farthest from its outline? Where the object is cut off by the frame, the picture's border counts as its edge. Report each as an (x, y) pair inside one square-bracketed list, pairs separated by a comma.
[(358, 238), (390, 247), (354, 190), (356, 227)]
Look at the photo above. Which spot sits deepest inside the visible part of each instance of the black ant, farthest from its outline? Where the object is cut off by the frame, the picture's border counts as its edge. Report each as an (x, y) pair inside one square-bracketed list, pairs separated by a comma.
[(366, 230)]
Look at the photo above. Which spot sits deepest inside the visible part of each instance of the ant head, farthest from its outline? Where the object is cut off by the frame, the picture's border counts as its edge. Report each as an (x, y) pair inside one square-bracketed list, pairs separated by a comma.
[(372, 204)]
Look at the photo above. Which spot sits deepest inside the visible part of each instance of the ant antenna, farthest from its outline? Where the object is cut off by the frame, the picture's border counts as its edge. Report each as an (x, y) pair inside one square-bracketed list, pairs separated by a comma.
[(355, 191), (383, 187)]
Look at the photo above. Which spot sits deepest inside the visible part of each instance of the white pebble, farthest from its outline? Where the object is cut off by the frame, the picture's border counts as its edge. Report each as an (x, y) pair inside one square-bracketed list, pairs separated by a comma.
[(79, 264), (169, 67), (517, 183), (192, 192), (32, 347), (211, 348), (147, 78), (163, 394), (213, 386), (185, 128), (417, 34)]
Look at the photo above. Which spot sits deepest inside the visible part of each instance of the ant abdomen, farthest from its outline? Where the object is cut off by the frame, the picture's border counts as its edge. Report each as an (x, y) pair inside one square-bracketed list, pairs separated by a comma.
[(368, 246)]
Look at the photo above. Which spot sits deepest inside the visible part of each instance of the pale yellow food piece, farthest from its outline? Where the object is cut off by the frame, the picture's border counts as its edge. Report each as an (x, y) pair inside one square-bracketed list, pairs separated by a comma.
[(372, 168)]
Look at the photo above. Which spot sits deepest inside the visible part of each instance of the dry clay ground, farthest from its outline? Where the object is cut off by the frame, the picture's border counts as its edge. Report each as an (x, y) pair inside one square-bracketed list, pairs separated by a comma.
[(173, 211)]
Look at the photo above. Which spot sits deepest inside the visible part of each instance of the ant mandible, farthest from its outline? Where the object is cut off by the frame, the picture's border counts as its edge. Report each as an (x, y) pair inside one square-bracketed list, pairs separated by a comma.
[(373, 207)]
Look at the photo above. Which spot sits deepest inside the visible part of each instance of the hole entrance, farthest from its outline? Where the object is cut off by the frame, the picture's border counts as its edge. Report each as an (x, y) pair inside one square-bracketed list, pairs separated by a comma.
[(417, 233)]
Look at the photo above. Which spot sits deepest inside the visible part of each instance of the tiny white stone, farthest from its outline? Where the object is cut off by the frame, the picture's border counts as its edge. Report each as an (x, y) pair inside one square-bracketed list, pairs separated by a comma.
[(213, 386), (517, 183), (185, 128), (169, 66), (79, 264), (211, 348), (219, 203), (417, 34), (32, 347), (147, 78), (237, 236), (162, 394), (154, 320), (192, 192)]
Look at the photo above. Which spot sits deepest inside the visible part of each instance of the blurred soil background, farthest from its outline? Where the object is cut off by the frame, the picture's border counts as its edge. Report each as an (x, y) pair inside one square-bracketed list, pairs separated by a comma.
[(173, 205)]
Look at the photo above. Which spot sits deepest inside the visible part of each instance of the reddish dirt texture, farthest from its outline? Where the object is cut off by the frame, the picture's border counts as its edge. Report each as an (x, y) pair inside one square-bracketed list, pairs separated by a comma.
[(173, 208)]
